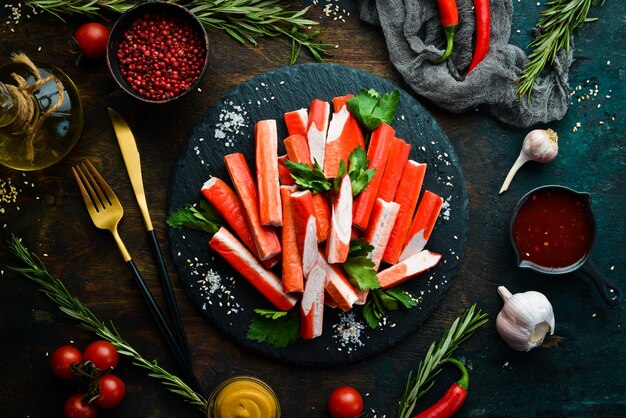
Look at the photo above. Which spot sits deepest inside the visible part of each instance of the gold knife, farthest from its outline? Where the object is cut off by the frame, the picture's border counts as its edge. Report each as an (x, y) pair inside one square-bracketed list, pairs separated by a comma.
[(128, 146)]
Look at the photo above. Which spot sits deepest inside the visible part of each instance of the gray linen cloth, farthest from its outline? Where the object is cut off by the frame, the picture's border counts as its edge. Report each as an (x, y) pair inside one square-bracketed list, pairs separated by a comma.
[(414, 36)]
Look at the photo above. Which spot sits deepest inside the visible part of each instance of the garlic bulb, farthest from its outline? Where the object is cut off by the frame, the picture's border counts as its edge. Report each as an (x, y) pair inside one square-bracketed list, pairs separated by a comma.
[(525, 319), (539, 145)]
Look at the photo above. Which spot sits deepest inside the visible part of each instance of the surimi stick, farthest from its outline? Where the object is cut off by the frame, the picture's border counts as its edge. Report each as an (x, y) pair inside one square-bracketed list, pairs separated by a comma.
[(242, 260), (377, 154), (358, 140), (379, 229), (298, 149), (407, 195), (322, 215), (297, 121), (317, 128), (408, 268), (398, 156), (312, 304), (298, 152), (423, 224), (266, 149), (228, 205), (343, 136), (265, 238), (303, 211), (338, 287), (293, 279), (338, 243), (283, 172)]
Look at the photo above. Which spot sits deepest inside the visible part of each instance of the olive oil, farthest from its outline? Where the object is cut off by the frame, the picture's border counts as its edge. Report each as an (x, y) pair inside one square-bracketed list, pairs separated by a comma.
[(45, 138)]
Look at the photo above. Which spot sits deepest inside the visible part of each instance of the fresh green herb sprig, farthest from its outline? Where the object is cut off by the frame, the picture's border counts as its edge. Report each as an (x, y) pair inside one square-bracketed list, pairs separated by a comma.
[(360, 175), (359, 268), (309, 178), (203, 218), (276, 328), (380, 302), (56, 291), (556, 25), (372, 109), (244, 20), (420, 382)]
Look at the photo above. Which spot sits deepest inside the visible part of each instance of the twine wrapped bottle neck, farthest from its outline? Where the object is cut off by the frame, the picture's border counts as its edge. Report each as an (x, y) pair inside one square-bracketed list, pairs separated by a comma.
[(21, 112)]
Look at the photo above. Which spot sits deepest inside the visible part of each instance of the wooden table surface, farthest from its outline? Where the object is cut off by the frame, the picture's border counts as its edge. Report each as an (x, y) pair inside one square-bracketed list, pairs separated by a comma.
[(579, 372)]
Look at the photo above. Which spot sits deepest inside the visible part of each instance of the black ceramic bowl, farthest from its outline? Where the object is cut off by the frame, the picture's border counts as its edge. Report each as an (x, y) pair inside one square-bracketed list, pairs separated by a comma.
[(608, 290), (171, 11)]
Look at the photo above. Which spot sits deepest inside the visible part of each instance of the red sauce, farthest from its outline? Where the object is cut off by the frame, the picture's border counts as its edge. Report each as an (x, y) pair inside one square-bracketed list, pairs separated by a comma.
[(553, 229)]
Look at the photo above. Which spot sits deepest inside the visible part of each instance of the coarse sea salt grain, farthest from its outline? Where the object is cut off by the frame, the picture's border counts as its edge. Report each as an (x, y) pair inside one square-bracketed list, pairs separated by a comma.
[(348, 332), (213, 287), (231, 121)]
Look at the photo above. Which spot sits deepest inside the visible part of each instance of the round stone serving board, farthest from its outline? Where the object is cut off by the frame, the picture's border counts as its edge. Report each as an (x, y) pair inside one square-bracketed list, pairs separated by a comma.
[(225, 298)]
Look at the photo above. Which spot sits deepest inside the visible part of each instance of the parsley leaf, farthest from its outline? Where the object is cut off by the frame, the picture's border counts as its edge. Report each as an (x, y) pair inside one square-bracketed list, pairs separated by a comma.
[(360, 175), (380, 302), (202, 218), (359, 247), (276, 328), (309, 178), (372, 109), (359, 268)]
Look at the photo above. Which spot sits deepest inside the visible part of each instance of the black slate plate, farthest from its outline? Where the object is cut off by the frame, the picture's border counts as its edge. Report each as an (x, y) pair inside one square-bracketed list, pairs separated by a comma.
[(225, 298)]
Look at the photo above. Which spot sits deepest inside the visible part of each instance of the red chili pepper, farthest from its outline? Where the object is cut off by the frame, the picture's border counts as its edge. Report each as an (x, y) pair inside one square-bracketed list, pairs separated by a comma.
[(449, 19), (453, 399), (483, 32)]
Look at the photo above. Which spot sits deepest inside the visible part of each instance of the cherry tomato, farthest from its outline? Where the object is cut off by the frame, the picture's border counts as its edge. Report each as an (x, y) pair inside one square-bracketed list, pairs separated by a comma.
[(92, 39), (75, 407), (112, 391), (345, 402), (103, 354), (62, 359)]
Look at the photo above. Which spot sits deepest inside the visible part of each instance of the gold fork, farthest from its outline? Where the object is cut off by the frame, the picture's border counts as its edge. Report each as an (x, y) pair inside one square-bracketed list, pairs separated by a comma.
[(106, 212)]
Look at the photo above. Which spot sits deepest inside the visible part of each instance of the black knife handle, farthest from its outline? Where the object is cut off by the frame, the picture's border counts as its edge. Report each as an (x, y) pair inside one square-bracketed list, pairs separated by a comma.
[(169, 295)]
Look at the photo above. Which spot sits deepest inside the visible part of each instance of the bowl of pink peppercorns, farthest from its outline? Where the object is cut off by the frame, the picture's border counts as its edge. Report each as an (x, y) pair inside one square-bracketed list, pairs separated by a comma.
[(158, 51)]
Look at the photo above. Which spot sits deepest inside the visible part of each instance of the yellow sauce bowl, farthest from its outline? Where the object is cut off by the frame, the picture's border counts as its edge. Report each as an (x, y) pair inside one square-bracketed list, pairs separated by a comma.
[(243, 397)]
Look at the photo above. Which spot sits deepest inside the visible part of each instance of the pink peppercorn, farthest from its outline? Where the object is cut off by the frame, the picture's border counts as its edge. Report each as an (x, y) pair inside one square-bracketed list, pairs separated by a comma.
[(161, 56)]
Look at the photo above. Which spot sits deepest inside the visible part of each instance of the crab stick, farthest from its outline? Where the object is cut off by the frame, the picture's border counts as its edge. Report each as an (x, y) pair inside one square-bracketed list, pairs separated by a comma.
[(228, 205), (358, 139), (297, 121), (266, 147), (265, 238), (312, 304), (323, 216), (377, 154), (283, 172), (398, 156), (303, 211), (407, 195), (317, 128), (337, 285), (408, 268), (343, 136), (242, 260), (293, 279), (379, 229), (423, 224), (298, 149), (338, 243)]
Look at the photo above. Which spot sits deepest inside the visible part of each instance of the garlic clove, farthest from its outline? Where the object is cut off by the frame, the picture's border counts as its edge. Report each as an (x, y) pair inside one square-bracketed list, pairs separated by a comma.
[(525, 319)]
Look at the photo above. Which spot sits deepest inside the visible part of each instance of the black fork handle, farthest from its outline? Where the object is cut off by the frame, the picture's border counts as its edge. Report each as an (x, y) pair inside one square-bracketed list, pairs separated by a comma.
[(163, 327)]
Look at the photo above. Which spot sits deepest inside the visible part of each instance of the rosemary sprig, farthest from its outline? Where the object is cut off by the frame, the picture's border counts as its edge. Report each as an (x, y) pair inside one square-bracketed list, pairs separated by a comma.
[(244, 20), (55, 290), (421, 382), (556, 25), (90, 8)]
